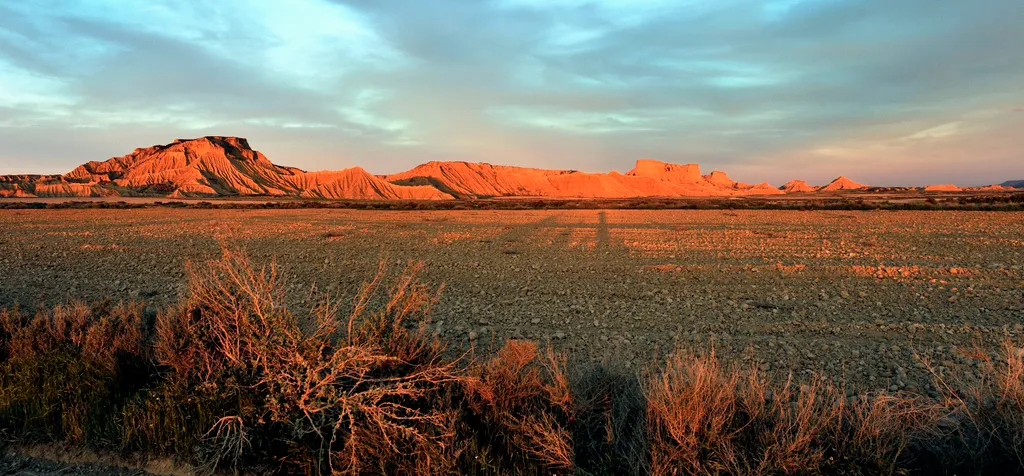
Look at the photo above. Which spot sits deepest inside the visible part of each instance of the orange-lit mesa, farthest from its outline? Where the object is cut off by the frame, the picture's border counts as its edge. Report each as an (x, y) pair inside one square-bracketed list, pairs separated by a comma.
[(206, 166), (649, 178), (222, 166), (948, 187), (842, 183)]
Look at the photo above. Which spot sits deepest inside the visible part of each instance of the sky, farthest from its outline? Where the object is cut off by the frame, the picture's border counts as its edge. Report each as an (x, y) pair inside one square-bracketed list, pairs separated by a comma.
[(887, 92)]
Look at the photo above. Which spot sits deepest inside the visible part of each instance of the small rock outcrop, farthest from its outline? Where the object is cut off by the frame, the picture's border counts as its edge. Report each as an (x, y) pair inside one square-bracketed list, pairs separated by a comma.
[(842, 183), (798, 186)]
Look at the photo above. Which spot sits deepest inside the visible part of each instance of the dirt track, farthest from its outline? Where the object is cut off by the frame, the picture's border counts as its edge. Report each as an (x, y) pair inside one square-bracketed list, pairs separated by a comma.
[(871, 296)]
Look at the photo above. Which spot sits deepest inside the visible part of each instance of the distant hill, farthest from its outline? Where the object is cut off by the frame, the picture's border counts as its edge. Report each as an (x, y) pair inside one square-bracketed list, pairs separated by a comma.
[(842, 183), (219, 166), (797, 186), (210, 166), (1014, 184)]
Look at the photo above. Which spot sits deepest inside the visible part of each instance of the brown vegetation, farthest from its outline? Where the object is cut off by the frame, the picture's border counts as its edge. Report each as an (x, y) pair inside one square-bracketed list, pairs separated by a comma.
[(231, 379)]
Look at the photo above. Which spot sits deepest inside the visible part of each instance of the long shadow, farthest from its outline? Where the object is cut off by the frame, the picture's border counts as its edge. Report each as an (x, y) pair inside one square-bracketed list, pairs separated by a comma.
[(603, 240), (514, 234), (609, 432)]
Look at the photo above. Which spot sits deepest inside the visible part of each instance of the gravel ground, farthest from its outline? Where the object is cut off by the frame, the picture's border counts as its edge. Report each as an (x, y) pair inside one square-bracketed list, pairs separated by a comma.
[(55, 460), (872, 298)]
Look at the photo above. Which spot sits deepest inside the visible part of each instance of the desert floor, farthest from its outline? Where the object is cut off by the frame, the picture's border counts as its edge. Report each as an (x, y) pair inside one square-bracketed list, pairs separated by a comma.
[(875, 299)]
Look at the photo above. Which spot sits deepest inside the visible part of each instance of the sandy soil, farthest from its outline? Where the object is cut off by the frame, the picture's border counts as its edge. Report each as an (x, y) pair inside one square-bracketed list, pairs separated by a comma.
[(874, 298)]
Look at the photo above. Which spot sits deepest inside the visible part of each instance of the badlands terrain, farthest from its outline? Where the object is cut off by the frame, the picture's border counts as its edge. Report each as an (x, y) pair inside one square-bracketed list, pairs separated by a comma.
[(878, 299), (216, 166)]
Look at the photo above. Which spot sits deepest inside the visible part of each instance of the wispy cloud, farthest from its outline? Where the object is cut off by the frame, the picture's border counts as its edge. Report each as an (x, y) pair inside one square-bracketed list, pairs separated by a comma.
[(756, 87)]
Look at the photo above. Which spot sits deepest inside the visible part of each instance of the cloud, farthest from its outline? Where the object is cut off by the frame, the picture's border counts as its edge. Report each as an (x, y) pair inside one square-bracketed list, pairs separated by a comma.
[(757, 88), (937, 132)]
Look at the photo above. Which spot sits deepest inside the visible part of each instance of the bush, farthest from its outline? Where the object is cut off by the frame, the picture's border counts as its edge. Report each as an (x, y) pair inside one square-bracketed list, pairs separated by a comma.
[(65, 372), (231, 379)]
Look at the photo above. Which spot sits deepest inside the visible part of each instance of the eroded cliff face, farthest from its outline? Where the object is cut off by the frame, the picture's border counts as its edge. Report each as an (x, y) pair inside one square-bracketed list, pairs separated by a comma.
[(649, 178), (218, 166), (210, 167)]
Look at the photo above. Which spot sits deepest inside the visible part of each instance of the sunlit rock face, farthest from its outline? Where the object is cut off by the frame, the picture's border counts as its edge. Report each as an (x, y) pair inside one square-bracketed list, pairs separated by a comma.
[(215, 166), (942, 188), (842, 183), (798, 186), (218, 166), (649, 178)]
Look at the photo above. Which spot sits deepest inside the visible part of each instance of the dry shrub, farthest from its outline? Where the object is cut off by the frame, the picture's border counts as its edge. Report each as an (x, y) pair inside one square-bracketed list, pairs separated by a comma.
[(232, 379), (519, 404), (882, 433), (99, 333), (984, 426), (705, 418), (65, 370), (348, 395), (692, 417)]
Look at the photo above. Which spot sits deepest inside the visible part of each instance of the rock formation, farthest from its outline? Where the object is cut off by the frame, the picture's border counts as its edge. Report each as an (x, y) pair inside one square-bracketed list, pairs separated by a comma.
[(212, 166), (356, 183), (216, 166), (842, 183), (649, 178), (948, 187), (798, 186)]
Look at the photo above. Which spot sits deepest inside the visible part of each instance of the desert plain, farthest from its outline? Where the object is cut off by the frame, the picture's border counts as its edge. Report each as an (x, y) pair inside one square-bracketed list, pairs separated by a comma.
[(871, 299)]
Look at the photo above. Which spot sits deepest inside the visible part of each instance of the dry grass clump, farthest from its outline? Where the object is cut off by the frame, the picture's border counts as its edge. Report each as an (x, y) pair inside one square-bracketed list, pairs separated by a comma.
[(708, 419), (63, 371), (985, 428), (518, 405), (233, 380)]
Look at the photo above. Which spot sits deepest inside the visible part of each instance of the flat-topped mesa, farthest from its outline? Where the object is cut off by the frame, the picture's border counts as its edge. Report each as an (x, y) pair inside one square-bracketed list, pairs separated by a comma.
[(676, 173), (182, 153), (945, 187), (236, 142), (231, 147)]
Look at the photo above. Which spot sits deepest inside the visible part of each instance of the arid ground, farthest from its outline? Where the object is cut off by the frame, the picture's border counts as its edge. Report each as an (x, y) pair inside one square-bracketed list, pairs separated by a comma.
[(878, 299)]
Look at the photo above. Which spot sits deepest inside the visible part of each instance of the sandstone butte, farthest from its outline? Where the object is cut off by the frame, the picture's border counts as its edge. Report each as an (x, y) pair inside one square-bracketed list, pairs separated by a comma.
[(942, 188), (216, 166)]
